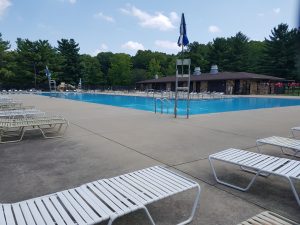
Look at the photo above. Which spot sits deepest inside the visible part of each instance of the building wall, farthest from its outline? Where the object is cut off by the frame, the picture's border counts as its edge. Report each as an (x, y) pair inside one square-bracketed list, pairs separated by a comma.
[(169, 86), (203, 86), (194, 86), (229, 87), (253, 88)]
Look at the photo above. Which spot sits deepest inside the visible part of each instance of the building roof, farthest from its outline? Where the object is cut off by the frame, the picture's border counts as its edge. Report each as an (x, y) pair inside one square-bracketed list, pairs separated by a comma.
[(215, 77)]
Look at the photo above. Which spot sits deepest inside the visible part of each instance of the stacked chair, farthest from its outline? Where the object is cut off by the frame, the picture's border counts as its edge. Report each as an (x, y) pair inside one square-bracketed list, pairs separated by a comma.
[(16, 119)]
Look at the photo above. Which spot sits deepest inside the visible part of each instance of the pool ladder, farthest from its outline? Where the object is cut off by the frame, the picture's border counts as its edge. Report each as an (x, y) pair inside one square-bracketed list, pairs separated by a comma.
[(163, 102)]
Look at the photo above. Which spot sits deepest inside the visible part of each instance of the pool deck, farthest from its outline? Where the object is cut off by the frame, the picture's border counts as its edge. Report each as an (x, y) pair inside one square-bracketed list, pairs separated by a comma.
[(104, 141)]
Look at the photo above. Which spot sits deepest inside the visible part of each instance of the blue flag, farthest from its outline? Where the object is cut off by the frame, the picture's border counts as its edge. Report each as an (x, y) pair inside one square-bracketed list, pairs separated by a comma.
[(48, 74), (182, 40)]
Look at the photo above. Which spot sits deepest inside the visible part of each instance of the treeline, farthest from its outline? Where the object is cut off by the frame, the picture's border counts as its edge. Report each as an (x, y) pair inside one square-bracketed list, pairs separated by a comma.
[(24, 67)]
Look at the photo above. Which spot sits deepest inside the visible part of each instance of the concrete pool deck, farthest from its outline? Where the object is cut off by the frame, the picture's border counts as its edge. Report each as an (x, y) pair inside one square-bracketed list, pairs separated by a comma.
[(104, 141)]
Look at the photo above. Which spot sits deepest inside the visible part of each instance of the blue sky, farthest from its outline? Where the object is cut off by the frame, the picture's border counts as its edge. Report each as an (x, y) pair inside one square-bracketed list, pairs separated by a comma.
[(126, 26)]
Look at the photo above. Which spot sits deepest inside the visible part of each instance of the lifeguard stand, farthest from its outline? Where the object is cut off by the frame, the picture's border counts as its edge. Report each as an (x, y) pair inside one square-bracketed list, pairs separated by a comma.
[(52, 85), (184, 65)]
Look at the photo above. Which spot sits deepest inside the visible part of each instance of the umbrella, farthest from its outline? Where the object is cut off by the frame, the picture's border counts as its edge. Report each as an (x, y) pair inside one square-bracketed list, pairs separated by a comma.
[(182, 40), (48, 74)]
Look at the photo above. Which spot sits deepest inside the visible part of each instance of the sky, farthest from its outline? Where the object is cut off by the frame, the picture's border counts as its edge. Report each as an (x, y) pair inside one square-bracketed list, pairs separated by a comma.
[(127, 26)]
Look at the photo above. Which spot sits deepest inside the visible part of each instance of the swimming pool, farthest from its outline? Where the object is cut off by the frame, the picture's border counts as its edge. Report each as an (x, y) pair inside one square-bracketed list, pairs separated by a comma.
[(196, 106)]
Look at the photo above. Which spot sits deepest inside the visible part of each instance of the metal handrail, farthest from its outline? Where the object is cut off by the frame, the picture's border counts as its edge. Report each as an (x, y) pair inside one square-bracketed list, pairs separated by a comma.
[(162, 103)]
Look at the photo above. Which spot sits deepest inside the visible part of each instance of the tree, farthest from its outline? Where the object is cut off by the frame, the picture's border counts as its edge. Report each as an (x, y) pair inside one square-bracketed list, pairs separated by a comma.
[(255, 54), (6, 73), (104, 59), (218, 52), (70, 65), (237, 54), (198, 53), (92, 75), (32, 58), (120, 71), (154, 68), (280, 52)]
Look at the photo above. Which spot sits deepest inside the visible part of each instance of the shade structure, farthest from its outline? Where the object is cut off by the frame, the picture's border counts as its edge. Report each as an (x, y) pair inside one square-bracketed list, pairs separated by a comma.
[(48, 74), (183, 39)]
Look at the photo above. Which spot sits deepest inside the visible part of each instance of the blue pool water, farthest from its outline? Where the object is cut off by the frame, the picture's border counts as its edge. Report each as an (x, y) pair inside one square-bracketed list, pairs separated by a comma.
[(196, 106)]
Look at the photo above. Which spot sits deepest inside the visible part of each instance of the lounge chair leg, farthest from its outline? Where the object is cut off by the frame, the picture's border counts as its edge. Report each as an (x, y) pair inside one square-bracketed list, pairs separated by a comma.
[(257, 146), (294, 190), (287, 153), (112, 219), (293, 134), (231, 185), (194, 208)]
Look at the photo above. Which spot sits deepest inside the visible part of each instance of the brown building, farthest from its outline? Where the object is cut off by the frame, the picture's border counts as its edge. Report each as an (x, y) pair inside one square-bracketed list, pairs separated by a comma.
[(227, 82)]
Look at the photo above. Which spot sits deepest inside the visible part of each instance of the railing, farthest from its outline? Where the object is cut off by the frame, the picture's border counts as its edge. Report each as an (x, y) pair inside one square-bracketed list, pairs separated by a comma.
[(163, 102)]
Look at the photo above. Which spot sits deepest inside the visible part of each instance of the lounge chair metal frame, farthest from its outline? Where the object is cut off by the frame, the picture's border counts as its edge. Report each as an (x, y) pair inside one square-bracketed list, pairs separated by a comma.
[(293, 129), (282, 142), (46, 125), (261, 164), (102, 200)]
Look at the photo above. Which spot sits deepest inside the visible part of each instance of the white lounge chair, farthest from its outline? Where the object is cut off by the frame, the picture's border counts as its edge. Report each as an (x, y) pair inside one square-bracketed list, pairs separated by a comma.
[(261, 164), (295, 129), (16, 128), (282, 142), (102, 200), (11, 114), (268, 218)]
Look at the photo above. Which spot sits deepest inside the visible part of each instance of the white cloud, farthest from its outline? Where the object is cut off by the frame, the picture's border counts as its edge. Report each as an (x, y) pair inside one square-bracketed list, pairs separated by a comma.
[(156, 21), (167, 45), (131, 45), (214, 29), (104, 17), (4, 4), (276, 11), (103, 48)]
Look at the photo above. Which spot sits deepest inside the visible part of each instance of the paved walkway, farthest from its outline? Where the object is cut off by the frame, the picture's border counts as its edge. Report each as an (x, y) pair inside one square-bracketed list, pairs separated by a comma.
[(105, 141)]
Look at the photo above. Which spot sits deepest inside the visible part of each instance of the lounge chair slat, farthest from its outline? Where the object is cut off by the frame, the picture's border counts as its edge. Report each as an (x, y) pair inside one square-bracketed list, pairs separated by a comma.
[(109, 195), (36, 214), (61, 211), (134, 181), (164, 183), (147, 181), (137, 189), (92, 203), (295, 171), (117, 194), (73, 193), (103, 207), (74, 208), (9, 214), (2, 218), (27, 214), (44, 212), (166, 179), (103, 197), (18, 214), (128, 191), (172, 176), (287, 167), (57, 217)]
